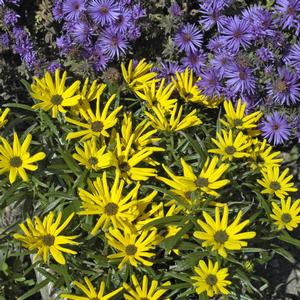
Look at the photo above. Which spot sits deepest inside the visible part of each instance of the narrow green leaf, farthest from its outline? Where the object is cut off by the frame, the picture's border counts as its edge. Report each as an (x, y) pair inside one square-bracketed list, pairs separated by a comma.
[(287, 238), (34, 290), (163, 221)]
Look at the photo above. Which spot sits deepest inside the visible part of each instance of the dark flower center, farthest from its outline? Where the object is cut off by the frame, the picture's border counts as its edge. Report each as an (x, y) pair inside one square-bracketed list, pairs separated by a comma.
[(274, 185), (221, 236), (230, 150), (97, 126), (93, 160), (291, 10), (242, 75), (48, 240), (130, 249), (76, 6), (275, 126), (103, 10), (237, 122), (237, 34), (202, 182), (286, 218), (114, 41), (186, 37), (124, 167), (16, 162), (111, 209), (281, 85), (211, 279), (56, 99)]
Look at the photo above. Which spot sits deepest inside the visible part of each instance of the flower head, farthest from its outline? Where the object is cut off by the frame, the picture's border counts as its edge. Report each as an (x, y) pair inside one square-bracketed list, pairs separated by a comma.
[(16, 159), (3, 116), (72, 9), (221, 236), (103, 11), (45, 237)]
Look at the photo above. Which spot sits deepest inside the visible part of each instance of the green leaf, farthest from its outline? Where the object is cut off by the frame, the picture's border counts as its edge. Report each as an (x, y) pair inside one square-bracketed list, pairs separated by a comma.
[(287, 238), (26, 85), (163, 221), (198, 149), (34, 290), (287, 255), (19, 105)]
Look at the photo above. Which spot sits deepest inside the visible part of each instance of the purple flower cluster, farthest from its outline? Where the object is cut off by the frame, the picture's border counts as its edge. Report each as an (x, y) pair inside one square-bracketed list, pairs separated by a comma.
[(100, 30), (253, 55)]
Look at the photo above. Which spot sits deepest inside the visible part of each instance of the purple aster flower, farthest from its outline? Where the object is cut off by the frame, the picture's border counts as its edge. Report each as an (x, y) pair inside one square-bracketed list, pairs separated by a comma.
[(64, 44), (264, 54), (100, 59), (133, 32), (285, 89), (221, 62), (293, 57), (175, 10), (123, 21), (194, 60), (4, 40), (57, 10), (275, 128), (10, 18), (138, 12), (210, 83), (212, 15), (168, 70), (53, 66), (240, 79), (288, 10), (236, 33), (81, 32), (296, 126), (215, 44), (188, 38), (72, 9), (112, 43), (103, 11)]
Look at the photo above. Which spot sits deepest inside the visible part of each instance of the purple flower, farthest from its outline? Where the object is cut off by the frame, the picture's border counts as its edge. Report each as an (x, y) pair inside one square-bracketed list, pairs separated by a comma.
[(293, 57), (10, 18), (285, 89), (188, 38), (215, 44), (168, 70), (81, 32), (123, 21), (53, 66), (194, 60), (57, 10), (276, 129), (240, 79), (210, 83), (4, 40), (221, 62), (72, 9), (99, 58), (296, 126), (288, 10), (137, 12), (112, 43), (175, 10), (236, 33), (64, 44), (133, 32), (264, 54), (103, 11)]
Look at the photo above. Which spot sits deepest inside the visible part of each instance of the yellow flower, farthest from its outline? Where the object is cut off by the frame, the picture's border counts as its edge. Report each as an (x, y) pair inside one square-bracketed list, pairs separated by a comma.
[(211, 279), (96, 123), (3, 116), (276, 184), (137, 76), (262, 156), (230, 147), (237, 118), (126, 161), (141, 292), (132, 247), (45, 236), (186, 87), (90, 292), (221, 236), (287, 216), (207, 181), (110, 205), (16, 159), (162, 121), (160, 96), (91, 157), (53, 93)]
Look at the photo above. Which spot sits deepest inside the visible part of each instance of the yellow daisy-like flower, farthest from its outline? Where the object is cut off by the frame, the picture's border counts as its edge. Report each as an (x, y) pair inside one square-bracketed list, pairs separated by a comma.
[(45, 236), (287, 216), (3, 116), (221, 236), (109, 204), (96, 123), (90, 292), (275, 183), (16, 159), (185, 85), (262, 156), (141, 292), (237, 118), (231, 147), (132, 247), (53, 94), (91, 157), (207, 181), (160, 96), (138, 76), (211, 279), (161, 120)]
